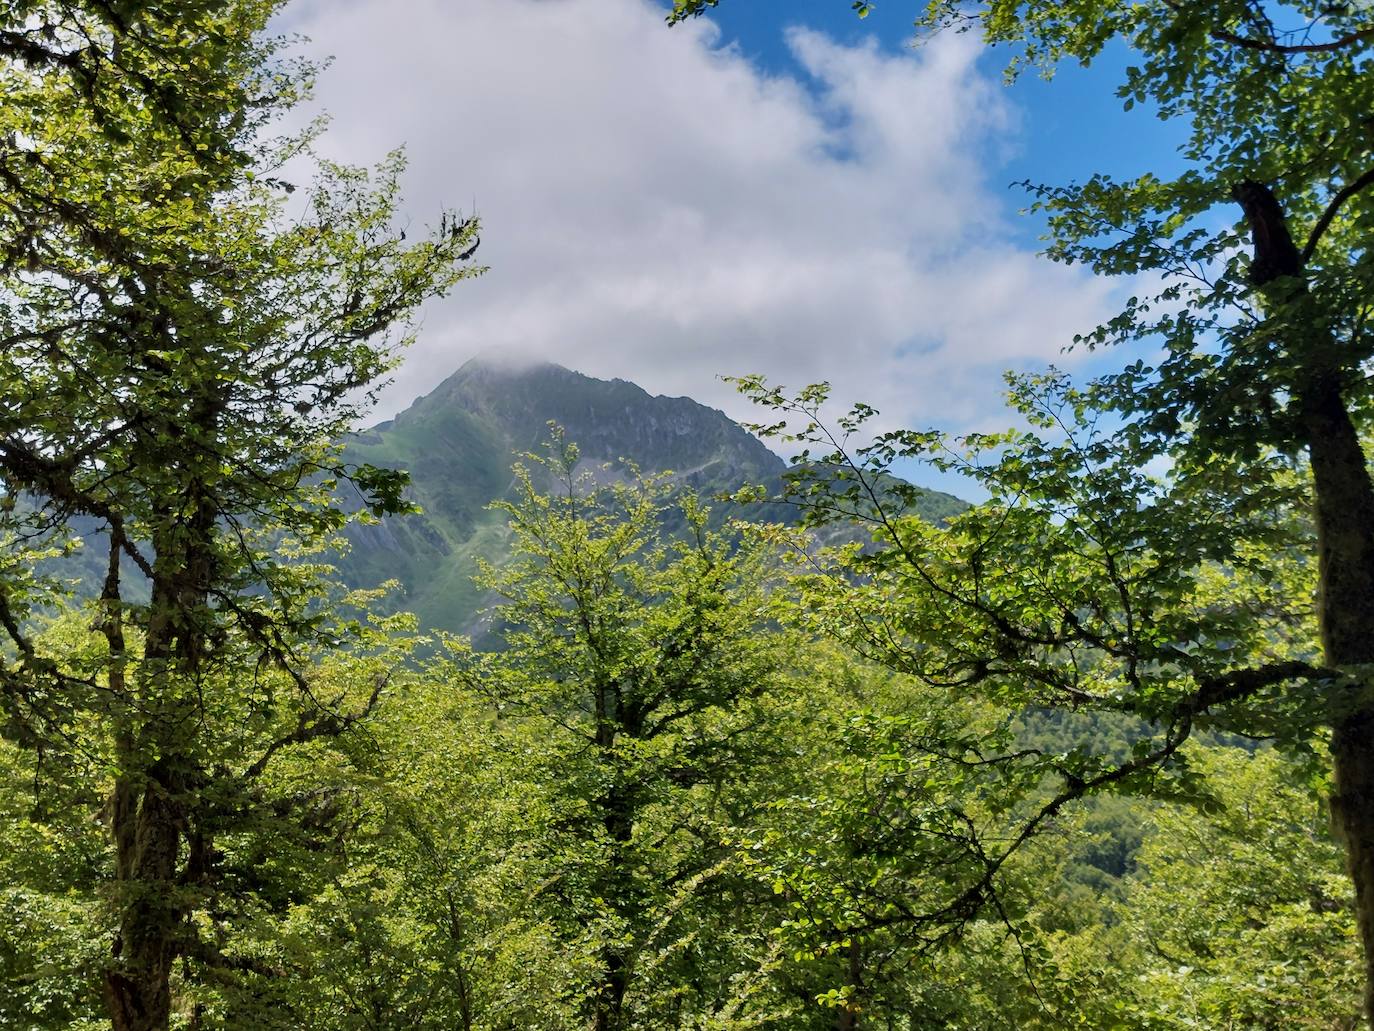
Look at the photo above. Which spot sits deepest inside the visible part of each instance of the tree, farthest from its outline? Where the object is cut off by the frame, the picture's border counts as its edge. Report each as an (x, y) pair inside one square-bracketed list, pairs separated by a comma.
[(643, 667), (1259, 874), (875, 830), (179, 356), (1261, 358), (439, 918), (1238, 917), (1085, 583)]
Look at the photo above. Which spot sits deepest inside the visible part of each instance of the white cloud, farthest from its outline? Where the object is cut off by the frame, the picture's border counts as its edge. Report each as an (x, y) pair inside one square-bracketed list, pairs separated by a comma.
[(657, 208)]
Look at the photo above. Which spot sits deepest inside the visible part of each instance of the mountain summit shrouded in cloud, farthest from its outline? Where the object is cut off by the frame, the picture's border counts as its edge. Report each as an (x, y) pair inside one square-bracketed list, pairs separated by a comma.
[(657, 205)]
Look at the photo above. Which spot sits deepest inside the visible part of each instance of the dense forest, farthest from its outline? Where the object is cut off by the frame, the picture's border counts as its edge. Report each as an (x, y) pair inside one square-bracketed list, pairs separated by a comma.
[(808, 751)]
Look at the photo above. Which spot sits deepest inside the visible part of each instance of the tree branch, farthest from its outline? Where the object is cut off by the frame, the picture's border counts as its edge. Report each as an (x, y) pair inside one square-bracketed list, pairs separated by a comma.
[(1241, 683), (1276, 256), (1324, 223), (325, 723), (1270, 47)]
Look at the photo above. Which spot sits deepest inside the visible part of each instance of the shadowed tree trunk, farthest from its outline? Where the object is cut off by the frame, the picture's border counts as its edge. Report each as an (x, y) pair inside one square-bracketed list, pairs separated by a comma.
[(1344, 513), (617, 816), (848, 1019), (150, 813)]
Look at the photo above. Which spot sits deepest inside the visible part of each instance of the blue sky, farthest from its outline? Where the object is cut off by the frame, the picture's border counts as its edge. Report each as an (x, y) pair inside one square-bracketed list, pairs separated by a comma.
[(1072, 125)]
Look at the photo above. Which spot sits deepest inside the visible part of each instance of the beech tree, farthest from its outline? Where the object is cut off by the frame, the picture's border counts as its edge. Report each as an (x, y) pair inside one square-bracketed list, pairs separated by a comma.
[(180, 346), (1262, 323), (642, 666)]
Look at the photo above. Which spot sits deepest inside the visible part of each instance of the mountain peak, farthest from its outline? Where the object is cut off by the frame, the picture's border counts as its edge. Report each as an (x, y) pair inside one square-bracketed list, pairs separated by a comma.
[(608, 419), (498, 364), (458, 443)]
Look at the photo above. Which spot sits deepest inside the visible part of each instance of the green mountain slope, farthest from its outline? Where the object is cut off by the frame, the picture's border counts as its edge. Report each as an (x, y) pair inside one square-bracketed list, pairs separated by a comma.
[(458, 443)]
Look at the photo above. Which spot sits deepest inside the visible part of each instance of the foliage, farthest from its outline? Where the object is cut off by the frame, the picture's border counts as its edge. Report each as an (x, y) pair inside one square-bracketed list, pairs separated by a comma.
[(437, 921), (661, 803), (179, 353), (1243, 918), (1085, 580), (639, 666), (1235, 918)]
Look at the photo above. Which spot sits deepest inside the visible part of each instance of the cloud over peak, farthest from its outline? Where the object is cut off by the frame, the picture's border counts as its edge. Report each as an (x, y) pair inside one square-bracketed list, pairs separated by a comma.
[(657, 207)]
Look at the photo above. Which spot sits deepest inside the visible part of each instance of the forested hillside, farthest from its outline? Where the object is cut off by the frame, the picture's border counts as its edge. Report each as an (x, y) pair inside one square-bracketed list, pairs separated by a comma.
[(746, 743)]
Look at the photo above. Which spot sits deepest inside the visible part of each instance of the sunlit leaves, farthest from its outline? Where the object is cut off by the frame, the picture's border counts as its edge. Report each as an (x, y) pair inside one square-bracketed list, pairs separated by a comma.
[(637, 667)]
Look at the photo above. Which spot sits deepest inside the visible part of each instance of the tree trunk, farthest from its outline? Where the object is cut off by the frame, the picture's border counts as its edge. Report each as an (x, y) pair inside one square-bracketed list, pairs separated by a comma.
[(610, 997), (1352, 749), (848, 1019), (146, 839), (1343, 498), (618, 819), (147, 835), (1345, 536), (148, 814)]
